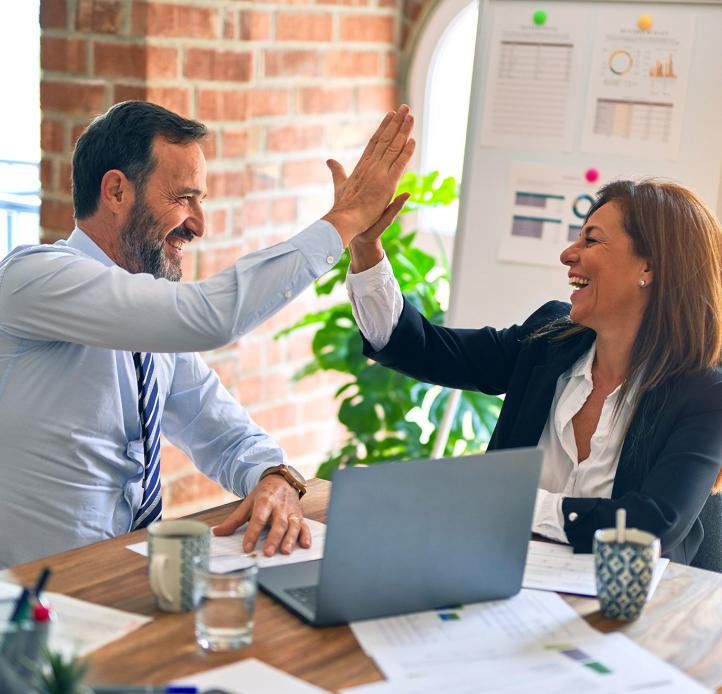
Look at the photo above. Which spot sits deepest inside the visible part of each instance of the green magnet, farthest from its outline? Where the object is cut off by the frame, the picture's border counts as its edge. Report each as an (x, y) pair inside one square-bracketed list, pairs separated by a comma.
[(540, 17)]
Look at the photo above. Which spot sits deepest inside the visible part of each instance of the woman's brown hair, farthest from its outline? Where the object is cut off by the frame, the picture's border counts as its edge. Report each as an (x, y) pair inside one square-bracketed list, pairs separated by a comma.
[(681, 238)]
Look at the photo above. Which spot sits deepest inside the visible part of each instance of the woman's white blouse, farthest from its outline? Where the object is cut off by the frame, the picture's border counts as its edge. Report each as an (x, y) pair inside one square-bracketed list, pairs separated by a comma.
[(377, 302)]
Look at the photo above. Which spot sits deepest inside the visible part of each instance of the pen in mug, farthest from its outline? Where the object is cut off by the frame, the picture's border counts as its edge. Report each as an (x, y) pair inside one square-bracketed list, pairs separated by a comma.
[(42, 580)]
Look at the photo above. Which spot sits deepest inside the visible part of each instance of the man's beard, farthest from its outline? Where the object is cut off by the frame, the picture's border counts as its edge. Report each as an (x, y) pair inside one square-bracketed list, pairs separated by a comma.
[(140, 248)]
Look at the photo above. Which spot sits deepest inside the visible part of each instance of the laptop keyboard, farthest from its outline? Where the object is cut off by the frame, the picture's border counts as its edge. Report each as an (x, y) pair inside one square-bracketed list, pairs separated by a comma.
[(306, 595)]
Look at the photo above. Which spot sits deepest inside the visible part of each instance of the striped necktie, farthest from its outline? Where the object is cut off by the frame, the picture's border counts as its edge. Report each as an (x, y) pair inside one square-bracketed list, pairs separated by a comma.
[(151, 506)]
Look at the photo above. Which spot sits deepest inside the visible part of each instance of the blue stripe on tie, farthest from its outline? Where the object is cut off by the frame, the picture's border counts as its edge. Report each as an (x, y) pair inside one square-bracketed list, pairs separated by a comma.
[(148, 404)]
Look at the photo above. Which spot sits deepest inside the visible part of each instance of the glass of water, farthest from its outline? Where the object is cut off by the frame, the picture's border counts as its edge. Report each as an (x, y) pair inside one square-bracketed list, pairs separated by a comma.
[(225, 603)]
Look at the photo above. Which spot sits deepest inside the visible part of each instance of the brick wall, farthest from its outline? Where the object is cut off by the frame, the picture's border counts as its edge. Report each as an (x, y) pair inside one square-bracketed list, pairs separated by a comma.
[(282, 86)]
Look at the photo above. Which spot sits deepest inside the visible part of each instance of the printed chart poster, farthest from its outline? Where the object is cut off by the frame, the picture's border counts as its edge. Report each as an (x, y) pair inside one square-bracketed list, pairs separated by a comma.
[(528, 95), (638, 84), (546, 212)]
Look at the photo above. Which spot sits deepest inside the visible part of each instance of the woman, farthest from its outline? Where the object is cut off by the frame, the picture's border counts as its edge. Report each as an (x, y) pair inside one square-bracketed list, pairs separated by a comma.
[(622, 389)]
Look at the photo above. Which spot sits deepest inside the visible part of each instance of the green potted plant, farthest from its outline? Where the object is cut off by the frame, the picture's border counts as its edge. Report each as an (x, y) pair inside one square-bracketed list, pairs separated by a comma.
[(389, 416)]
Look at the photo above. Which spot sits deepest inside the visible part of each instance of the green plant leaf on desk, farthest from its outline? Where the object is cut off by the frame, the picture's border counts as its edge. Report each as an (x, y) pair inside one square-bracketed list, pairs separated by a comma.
[(389, 416), (63, 676)]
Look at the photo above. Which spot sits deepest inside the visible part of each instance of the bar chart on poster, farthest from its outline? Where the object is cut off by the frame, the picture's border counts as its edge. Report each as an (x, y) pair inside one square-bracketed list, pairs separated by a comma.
[(567, 96)]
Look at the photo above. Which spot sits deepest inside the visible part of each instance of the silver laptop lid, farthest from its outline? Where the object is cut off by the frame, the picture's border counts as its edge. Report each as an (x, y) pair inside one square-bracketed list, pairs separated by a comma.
[(411, 536)]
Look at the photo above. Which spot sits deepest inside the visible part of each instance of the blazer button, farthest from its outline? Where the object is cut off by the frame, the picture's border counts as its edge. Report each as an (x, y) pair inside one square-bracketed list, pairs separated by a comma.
[(573, 516)]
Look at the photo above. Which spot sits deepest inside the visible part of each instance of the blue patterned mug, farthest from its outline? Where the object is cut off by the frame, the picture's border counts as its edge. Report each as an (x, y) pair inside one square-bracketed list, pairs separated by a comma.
[(624, 571), (175, 549)]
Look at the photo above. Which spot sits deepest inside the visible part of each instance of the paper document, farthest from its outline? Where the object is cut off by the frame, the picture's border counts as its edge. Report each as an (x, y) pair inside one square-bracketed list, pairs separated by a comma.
[(227, 552), (81, 627), (557, 568), (418, 644), (249, 676), (598, 663)]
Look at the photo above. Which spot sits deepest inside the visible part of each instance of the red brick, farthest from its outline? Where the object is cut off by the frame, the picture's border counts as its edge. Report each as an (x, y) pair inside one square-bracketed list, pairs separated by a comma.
[(276, 417), (299, 346), (284, 210), (211, 261), (320, 409), (176, 99), (192, 487), (47, 175), (254, 26), (263, 176), (229, 25), (294, 138), (78, 98), (226, 369), (235, 143), (132, 60), (350, 135), (226, 184), (217, 223), (305, 173), (156, 19), (216, 104), (268, 102), (295, 26), (53, 14), (209, 64), (368, 28), (173, 461), (63, 55), (56, 214), (98, 16), (391, 70), (63, 178), (249, 355), (209, 145), (351, 64), (254, 213), (325, 100), (52, 135), (376, 97), (292, 64)]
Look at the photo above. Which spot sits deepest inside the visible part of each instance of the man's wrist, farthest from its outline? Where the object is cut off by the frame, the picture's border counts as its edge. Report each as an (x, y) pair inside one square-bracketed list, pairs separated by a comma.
[(345, 224), (290, 475), (365, 255)]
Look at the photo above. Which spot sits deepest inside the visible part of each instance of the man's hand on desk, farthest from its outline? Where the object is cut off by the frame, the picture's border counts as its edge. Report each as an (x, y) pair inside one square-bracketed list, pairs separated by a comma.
[(274, 501)]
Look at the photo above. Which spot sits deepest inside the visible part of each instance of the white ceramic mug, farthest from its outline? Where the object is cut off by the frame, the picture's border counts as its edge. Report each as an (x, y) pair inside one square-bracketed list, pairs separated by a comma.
[(175, 549)]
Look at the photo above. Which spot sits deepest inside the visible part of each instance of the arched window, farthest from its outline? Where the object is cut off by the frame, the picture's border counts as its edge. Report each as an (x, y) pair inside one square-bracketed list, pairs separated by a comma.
[(439, 86), (20, 134)]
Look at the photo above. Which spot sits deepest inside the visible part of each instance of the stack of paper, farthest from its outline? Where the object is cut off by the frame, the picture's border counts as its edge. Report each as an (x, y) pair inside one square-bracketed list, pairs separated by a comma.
[(249, 676), (80, 627), (556, 567), (227, 552), (533, 642)]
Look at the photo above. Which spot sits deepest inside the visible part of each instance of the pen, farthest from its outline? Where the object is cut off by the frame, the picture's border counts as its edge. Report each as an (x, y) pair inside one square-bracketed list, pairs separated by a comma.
[(20, 605), (42, 580), (144, 689)]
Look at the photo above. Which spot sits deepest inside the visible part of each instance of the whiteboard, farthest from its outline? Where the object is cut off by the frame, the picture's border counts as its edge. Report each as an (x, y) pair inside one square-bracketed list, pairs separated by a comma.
[(498, 279)]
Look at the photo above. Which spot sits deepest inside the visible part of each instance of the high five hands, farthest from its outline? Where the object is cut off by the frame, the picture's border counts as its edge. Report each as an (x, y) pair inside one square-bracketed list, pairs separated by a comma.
[(362, 201)]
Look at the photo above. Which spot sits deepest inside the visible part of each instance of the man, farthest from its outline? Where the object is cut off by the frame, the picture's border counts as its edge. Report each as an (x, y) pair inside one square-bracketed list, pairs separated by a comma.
[(98, 339)]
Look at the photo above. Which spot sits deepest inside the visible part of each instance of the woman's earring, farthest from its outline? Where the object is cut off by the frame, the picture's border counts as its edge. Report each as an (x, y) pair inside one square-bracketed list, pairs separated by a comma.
[(642, 283)]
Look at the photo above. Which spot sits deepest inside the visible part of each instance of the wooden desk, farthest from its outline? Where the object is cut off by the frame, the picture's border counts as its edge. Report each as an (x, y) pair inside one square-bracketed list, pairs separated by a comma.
[(682, 623)]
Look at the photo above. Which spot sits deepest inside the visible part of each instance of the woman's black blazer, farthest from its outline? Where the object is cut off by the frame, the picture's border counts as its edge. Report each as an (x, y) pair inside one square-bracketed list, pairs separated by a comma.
[(672, 451)]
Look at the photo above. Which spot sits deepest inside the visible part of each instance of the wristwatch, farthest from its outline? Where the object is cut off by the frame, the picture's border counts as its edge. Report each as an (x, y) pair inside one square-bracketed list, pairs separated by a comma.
[(293, 477)]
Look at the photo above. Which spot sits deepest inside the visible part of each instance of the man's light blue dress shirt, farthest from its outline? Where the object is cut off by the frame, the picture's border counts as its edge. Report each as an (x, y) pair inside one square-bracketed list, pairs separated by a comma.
[(71, 453)]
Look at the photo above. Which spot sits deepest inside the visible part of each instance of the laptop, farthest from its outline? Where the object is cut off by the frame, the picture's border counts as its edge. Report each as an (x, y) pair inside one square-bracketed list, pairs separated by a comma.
[(411, 536)]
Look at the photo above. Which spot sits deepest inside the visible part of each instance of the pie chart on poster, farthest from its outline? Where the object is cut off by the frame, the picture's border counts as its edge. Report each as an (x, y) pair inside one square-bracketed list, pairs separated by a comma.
[(620, 62)]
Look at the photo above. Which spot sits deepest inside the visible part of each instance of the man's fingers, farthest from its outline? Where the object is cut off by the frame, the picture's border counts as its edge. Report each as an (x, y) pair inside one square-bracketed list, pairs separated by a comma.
[(289, 539), (259, 518), (391, 130), (377, 134), (398, 166), (338, 173), (235, 520), (399, 141), (279, 527), (304, 537)]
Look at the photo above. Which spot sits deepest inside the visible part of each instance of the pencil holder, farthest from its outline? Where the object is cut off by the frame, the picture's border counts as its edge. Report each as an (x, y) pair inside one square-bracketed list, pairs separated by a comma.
[(22, 652)]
